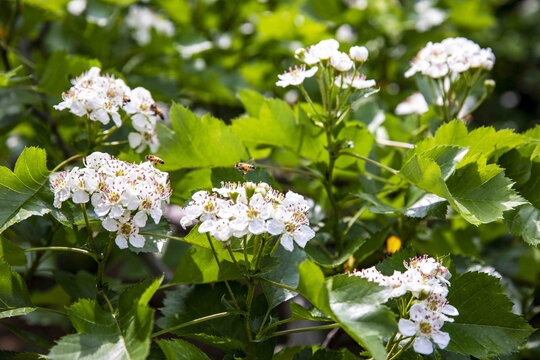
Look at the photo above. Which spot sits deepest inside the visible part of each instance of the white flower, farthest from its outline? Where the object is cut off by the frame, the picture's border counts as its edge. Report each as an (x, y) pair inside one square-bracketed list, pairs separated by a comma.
[(341, 61), (295, 76), (323, 50), (238, 209), (426, 328), (359, 82), (414, 104), (76, 7), (359, 53), (452, 56)]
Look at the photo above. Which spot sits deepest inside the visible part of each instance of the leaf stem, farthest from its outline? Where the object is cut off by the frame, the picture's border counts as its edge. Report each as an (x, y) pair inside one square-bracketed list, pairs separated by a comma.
[(400, 351), (222, 273), (89, 229), (283, 286), (68, 160), (373, 162), (52, 311), (192, 322), (234, 259), (64, 248), (312, 328)]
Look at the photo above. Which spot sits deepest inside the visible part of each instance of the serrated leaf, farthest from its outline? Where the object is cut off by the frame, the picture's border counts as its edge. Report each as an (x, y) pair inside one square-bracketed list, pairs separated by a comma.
[(486, 326), (301, 313), (193, 302), (354, 303), (14, 296), (524, 221), (285, 273), (19, 189), (122, 335), (198, 142), (181, 350)]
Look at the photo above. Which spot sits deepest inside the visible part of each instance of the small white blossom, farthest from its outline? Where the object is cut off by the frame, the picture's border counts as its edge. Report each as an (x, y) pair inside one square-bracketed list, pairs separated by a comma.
[(238, 209), (295, 76), (341, 61), (123, 195), (359, 53), (414, 104)]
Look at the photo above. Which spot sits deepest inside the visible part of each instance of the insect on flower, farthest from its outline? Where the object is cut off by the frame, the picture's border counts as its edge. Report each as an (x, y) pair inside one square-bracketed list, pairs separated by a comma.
[(154, 159), (244, 167), (157, 111)]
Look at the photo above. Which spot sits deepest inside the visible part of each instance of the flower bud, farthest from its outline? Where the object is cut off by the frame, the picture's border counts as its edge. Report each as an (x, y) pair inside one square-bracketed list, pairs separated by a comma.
[(359, 53)]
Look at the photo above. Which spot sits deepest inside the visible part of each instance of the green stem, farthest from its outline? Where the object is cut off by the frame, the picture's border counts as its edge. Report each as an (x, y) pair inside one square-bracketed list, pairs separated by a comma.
[(401, 350), (245, 240), (373, 162), (192, 322), (234, 259), (278, 241), (174, 238), (391, 340), (89, 229), (308, 98), (222, 273), (283, 286), (394, 346), (52, 311), (59, 166), (312, 328), (102, 262), (66, 249)]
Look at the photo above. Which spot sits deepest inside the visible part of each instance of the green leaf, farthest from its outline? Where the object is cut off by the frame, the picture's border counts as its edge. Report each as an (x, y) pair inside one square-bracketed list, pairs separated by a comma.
[(11, 253), (19, 189), (356, 303), (181, 350), (198, 142), (14, 296), (481, 193), (301, 313), (353, 302), (486, 326), (193, 302), (80, 285), (524, 221), (6, 76), (123, 334), (27, 336), (252, 101), (198, 265), (362, 140), (285, 273)]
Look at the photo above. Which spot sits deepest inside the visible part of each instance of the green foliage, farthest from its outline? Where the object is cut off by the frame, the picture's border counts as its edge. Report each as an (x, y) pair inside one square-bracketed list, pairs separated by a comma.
[(21, 190), (14, 296), (483, 329), (121, 333), (198, 142), (180, 350)]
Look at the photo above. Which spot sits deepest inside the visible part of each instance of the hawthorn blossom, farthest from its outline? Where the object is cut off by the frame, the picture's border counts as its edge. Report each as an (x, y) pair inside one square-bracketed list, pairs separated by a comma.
[(359, 53), (341, 61), (123, 195), (238, 209), (452, 56), (359, 82), (101, 97), (295, 76), (427, 280)]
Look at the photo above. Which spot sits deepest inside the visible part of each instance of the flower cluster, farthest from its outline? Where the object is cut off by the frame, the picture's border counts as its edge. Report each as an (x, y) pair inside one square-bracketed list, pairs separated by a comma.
[(122, 194), (142, 20), (452, 56), (100, 97), (427, 280), (326, 53), (238, 209)]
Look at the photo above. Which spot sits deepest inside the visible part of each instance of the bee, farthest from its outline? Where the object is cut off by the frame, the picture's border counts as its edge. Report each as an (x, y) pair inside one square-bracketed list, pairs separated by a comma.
[(244, 167), (125, 99), (157, 111), (154, 159)]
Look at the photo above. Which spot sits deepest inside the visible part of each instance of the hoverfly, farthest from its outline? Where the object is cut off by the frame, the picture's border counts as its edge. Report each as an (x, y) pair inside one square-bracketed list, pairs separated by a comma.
[(157, 111), (244, 167), (154, 159)]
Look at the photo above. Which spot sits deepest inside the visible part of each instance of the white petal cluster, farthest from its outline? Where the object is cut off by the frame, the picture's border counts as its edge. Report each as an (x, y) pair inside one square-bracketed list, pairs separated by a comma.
[(326, 53), (295, 76), (142, 20), (414, 104), (101, 97), (427, 280), (122, 194), (451, 57), (239, 209)]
